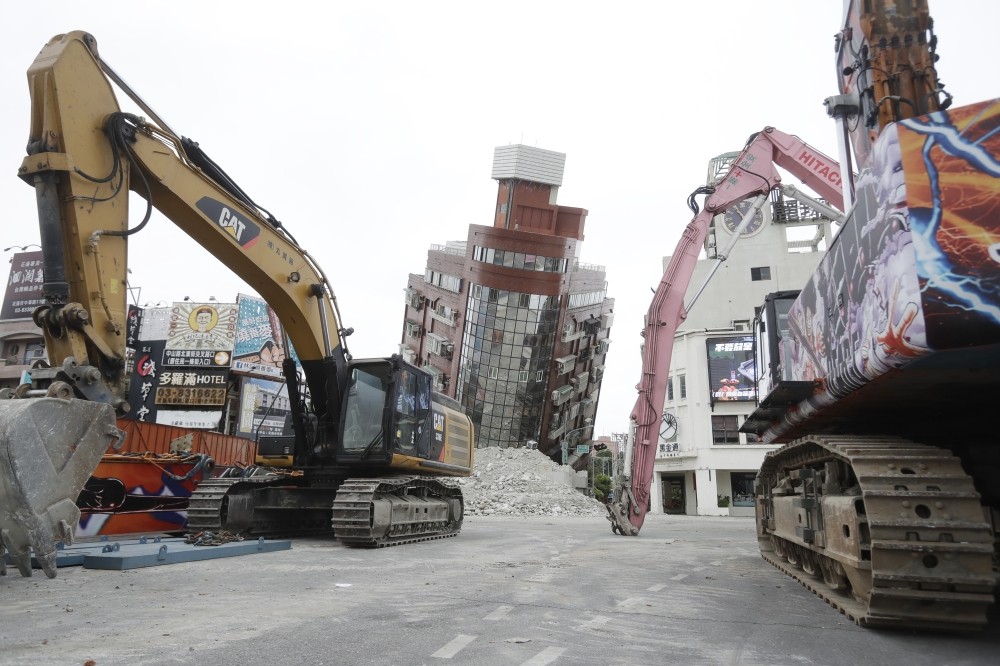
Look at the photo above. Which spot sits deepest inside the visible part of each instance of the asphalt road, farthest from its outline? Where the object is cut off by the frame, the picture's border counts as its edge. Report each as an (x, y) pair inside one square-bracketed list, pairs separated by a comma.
[(506, 591)]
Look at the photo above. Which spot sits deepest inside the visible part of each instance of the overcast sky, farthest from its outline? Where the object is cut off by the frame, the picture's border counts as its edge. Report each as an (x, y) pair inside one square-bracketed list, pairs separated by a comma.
[(368, 128)]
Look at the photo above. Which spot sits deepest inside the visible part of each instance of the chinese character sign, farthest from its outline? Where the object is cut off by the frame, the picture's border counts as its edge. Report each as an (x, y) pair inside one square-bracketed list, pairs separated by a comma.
[(731, 371), (24, 286), (132, 326), (144, 381)]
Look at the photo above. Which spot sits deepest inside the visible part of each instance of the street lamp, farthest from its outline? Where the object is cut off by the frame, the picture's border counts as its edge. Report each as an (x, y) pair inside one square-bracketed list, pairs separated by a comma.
[(22, 248)]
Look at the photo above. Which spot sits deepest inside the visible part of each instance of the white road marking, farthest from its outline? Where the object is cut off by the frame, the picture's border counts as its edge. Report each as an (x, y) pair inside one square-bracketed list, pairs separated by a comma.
[(698, 569), (656, 588), (500, 613), (679, 577), (546, 656), (454, 647), (626, 602)]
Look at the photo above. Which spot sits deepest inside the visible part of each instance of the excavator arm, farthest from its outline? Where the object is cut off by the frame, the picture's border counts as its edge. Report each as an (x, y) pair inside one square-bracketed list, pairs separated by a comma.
[(753, 174), (84, 157)]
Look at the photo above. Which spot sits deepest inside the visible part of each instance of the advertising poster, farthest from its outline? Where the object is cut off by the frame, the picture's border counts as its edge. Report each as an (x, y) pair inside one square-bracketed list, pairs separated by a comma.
[(201, 334), (264, 409), (24, 286), (731, 368), (261, 346)]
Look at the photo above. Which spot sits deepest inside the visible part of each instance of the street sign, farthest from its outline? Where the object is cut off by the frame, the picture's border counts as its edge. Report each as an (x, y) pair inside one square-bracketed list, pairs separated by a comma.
[(582, 449)]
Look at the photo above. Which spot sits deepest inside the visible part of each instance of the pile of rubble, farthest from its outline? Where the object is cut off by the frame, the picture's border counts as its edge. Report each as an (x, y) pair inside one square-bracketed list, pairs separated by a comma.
[(523, 482)]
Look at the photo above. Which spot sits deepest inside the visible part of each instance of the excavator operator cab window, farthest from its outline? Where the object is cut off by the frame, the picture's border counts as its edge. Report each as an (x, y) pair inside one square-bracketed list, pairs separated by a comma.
[(364, 434), (412, 405)]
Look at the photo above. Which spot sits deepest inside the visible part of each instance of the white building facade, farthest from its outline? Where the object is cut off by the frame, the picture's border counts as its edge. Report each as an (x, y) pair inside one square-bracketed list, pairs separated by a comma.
[(704, 465)]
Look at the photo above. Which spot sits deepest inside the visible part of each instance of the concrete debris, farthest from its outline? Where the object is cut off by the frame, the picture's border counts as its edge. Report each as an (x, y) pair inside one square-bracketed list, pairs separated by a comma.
[(523, 482)]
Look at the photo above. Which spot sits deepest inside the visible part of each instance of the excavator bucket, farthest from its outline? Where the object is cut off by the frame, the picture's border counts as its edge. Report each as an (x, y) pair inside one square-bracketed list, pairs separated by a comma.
[(48, 449)]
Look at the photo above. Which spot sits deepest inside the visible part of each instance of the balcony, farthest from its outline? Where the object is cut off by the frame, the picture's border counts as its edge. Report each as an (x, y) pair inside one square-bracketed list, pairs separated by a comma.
[(449, 318)]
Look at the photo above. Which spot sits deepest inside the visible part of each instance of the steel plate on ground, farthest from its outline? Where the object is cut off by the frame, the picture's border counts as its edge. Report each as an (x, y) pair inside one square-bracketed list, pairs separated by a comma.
[(170, 551)]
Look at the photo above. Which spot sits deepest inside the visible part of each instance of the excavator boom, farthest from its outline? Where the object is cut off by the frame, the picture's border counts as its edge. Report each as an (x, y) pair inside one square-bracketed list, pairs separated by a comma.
[(753, 174)]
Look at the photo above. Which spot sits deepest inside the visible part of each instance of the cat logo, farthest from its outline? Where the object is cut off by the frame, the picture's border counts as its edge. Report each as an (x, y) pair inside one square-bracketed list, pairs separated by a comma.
[(439, 421), (242, 230)]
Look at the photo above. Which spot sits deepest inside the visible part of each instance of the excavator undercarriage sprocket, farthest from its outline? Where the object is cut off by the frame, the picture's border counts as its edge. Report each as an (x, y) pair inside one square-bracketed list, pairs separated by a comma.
[(890, 532)]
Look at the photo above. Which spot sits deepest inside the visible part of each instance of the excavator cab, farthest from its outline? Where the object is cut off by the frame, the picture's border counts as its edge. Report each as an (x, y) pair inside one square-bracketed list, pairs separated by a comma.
[(387, 410)]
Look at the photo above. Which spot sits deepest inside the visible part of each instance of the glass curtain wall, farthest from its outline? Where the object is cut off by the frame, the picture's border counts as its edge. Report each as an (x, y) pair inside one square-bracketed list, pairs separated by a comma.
[(506, 354)]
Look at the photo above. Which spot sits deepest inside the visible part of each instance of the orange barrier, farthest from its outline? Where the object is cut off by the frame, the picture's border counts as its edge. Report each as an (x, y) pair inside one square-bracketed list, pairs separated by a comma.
[(226, 450)]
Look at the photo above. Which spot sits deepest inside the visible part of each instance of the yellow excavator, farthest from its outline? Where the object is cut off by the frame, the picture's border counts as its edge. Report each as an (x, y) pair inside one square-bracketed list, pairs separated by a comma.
[(374, 451)]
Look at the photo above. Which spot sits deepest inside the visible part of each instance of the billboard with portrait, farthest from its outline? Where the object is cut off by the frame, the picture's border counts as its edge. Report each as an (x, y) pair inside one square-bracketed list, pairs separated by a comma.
[(731, 368), (201, 334), (261, 346)]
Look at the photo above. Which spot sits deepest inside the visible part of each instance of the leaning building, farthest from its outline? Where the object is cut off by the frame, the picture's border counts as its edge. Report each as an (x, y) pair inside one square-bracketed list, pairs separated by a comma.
[(509, 322)]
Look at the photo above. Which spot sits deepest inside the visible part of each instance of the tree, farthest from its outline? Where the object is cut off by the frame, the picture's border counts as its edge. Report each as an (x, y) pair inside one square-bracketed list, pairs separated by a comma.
[(602, 486)]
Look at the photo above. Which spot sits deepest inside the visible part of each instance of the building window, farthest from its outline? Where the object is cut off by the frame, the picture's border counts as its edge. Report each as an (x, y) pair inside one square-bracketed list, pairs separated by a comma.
[(742, 486), (759, 273), (670, 389), (443, 280), (725, 429), (682, 386)]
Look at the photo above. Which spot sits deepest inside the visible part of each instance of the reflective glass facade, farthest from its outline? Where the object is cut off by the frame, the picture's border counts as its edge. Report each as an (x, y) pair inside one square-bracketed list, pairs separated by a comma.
[(511, 259), (506, 353)]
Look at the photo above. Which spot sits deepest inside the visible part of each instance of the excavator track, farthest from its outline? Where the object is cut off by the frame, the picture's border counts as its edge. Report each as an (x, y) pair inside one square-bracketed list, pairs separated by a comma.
[(889, 532), (271, 506), (375, 513)]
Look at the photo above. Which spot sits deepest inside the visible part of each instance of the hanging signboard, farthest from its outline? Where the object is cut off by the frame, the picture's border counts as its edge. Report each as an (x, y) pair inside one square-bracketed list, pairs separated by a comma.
[(24, 286), (144, 381)]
